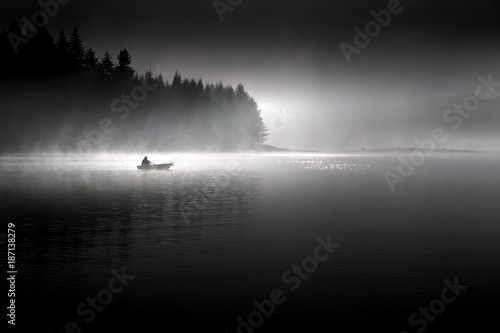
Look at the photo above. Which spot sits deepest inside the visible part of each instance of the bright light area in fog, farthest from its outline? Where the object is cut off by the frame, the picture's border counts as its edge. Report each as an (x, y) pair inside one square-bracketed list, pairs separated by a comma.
[(290, 62)]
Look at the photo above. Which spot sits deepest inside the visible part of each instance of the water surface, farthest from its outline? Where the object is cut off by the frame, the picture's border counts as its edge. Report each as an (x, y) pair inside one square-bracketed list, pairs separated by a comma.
[(216, 232)]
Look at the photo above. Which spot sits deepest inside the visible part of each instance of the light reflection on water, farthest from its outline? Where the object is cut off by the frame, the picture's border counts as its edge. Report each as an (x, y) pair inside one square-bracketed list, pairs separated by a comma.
[(217, 231)]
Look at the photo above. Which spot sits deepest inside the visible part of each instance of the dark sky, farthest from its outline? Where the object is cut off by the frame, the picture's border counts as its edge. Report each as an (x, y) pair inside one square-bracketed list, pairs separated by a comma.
[(287, 53)]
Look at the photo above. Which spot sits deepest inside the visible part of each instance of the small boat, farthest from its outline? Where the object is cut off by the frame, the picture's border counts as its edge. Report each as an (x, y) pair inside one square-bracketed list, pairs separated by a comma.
[(165, 166)]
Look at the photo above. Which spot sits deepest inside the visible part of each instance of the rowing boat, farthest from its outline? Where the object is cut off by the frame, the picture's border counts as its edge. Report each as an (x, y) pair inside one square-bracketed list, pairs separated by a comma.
[(165, 166)]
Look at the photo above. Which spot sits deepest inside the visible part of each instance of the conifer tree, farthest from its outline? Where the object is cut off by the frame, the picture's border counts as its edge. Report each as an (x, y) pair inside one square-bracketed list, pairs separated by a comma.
[(161, 82), (124, 71), (106, 68), (177, 81), (40, 53), (90, 62), (76, 50), (211, 115), (62, 47), (148, 77), (62, 53)]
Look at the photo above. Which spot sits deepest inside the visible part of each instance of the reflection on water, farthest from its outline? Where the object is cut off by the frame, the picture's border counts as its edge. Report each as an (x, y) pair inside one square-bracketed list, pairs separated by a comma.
[(216, 232)]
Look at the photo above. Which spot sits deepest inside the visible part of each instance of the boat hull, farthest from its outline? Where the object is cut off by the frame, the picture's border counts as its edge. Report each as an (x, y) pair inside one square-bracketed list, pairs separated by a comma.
[(165, 166)]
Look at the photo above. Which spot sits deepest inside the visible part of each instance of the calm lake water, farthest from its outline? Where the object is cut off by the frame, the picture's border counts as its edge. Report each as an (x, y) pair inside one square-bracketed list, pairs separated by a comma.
[(214, 233)]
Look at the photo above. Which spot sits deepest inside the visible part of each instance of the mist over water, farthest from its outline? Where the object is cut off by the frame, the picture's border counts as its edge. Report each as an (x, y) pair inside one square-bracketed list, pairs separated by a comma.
[(335, 165), (394, 91), (217, 231)]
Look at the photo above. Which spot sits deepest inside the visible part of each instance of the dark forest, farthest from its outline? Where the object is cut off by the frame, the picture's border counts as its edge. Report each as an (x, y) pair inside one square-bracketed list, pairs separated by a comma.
[(62, 97)]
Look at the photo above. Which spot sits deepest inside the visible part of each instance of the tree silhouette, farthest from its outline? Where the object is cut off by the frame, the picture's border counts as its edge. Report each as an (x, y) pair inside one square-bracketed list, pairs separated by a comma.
[(90, 62), (149, 79), (162, 85), (76, 50), (13, 62), (106, 68), (184, 114), (62, 52), (124, 72), (41, 53), (199, 91), (177, 81), (6, 53)]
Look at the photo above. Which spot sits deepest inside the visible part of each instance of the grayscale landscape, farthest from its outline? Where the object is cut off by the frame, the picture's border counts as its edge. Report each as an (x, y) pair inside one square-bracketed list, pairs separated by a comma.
[(250, 166)]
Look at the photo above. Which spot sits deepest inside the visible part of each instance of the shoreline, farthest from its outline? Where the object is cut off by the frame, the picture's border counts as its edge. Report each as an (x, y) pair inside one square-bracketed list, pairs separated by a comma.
[(410, 150), (261, 149)]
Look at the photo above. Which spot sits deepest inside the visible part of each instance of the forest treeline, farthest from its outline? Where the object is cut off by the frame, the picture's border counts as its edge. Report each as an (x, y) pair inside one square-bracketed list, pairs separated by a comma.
[(56, 93)]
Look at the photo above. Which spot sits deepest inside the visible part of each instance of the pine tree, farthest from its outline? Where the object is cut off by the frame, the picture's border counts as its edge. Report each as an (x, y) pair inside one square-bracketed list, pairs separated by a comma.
[(10, 63), (90, 62), (40, 53), (4, 51), (124, 71), (241, 94), (161, 82), (185, 86), (200, 92), (62, 47), (177, 81), (106, 68), (209, 91), (137, 79), (218, 93), (148, 77), (14, 60), (62, 53), (76, 50), (251, 124), (3, 43), (229, 95)]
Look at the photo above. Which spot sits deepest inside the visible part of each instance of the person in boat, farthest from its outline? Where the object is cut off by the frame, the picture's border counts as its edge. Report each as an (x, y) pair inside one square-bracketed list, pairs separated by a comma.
[(145, 162)]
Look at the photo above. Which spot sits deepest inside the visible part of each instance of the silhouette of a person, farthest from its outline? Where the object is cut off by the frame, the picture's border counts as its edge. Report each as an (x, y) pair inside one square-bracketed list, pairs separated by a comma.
[(145, 162)]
